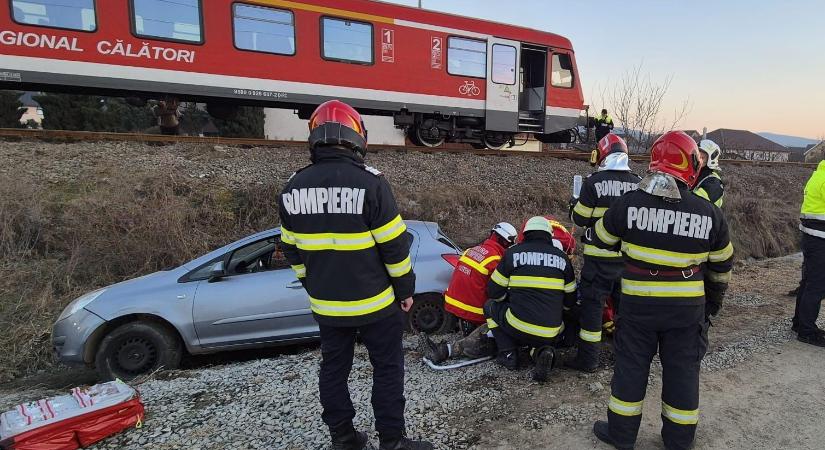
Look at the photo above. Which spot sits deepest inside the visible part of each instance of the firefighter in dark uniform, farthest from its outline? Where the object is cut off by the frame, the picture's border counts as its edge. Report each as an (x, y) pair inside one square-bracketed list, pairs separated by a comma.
[(604, 125), (710, 186), (812, 289), (343, 236), (602, 271), (678, 260), (529, 289)]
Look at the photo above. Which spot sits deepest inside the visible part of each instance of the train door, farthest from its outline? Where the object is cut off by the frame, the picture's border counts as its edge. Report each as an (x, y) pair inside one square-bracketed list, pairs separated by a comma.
[(533, 97), (503, 85)]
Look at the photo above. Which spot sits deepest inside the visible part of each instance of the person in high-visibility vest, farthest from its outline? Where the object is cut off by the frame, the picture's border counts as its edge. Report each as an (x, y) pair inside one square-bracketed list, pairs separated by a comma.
[(604, 125), (710, 186), (349, 247), (812, 289)]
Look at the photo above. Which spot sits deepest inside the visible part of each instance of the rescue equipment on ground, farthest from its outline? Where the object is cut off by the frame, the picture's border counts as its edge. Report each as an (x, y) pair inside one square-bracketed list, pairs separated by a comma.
[(76, 420), (457, 365)]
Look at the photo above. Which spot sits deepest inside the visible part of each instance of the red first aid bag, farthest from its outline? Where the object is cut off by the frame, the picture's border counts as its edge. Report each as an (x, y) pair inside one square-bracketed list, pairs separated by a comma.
[(76, 420)]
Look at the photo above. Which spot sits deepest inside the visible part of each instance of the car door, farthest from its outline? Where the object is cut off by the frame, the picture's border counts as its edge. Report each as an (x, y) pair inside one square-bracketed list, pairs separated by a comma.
[(259, 300)]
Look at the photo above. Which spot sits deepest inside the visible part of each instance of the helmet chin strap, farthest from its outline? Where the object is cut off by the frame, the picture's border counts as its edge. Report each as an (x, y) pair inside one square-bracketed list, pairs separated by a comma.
[(662, 185)]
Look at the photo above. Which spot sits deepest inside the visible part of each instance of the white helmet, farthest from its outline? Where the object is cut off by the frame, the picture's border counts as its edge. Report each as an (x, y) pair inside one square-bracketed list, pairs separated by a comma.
[(713, 152), (506, 231)]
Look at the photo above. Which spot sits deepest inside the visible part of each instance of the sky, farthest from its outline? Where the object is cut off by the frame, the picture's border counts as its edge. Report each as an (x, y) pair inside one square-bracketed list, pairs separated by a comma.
[(757, 65)]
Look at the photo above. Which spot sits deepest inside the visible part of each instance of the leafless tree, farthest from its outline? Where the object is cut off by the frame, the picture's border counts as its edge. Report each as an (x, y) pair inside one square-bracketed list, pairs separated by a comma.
[(636, 101)]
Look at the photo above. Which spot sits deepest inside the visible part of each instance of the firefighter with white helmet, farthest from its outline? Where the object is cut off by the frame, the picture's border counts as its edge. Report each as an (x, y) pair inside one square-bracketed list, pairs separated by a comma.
[(678, 260), (710, 185), (529, 289), (347, 243)]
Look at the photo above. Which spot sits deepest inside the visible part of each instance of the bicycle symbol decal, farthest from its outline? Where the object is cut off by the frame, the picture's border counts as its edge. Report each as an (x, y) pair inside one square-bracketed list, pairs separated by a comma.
[(469, 89)]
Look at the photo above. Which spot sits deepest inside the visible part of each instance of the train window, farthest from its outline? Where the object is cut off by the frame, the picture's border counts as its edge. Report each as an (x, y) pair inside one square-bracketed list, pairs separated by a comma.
[(347, 41), (562, 71), (467, 57), (68, 14), (263, 29), (504, 64), (171, 20)]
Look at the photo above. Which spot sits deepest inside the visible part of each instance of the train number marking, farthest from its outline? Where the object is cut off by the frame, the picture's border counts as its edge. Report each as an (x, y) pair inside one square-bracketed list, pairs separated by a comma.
[(437, 53), (469, 89), (11, 76), (387, 46), (262, 94)]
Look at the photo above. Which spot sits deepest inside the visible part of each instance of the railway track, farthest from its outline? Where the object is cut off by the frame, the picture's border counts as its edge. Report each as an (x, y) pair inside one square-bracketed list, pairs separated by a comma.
[(96, 136)]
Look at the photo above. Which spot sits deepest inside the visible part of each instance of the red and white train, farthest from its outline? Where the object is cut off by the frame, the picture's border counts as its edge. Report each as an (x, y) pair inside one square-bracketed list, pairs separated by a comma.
[(442, 77)]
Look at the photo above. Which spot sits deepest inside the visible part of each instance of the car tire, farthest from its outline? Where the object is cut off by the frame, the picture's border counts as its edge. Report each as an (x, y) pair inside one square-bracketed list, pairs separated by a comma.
[(135, 349), (428, 316)]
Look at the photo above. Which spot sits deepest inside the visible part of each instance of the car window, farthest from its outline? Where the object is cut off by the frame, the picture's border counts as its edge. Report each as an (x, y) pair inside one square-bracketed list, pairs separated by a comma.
[(258, 256)]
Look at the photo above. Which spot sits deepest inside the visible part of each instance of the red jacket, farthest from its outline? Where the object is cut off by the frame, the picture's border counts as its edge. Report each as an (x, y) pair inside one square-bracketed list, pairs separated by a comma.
[(468, 288)]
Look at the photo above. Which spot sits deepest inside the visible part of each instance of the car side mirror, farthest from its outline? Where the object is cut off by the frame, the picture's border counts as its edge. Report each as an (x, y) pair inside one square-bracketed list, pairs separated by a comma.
[(217, 273)]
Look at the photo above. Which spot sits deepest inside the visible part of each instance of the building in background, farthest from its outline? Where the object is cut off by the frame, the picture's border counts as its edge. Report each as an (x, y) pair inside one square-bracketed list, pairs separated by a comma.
[(815, 153), (743, 144)]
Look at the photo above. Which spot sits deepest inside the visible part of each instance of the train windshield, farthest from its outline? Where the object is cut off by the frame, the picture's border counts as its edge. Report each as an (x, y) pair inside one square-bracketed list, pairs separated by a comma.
[(69, 14), (174, 20)]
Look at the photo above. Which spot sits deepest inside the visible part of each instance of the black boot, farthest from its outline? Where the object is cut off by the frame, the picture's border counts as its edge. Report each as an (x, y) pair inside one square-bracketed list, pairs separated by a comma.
[(344, 437), (508, 359), (436, 353), (602, 431), (544, 358), (817, 339), (576, 363), (402, 443)]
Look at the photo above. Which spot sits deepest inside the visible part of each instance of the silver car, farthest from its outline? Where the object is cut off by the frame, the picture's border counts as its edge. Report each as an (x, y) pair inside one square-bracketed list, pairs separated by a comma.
[(240, 296)]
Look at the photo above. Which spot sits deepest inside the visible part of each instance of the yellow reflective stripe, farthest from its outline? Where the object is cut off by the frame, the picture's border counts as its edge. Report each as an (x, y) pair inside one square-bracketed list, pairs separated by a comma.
[(592, 250), (519, 281), (464, 306), (604, 235), (353, 308), (286, 236), (701, 192), (720, 202), (623, 408), (663, 257), (663, 288), (390, 231), (500, 279), (721, 255), (719, 277), (490, 259), (399, 269), (582, 210), (532, 329), (680, 416), (475, 265), (333, 241), (491, 323), (590, 336), (599, 212), (300, 270), (570, 287)]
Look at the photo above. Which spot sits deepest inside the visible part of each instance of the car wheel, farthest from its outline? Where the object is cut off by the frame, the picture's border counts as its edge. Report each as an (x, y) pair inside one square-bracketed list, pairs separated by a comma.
[(135, 349), (428, 316)]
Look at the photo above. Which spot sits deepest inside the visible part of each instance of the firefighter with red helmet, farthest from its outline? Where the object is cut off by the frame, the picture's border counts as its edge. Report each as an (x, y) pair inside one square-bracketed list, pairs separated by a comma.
[(467, 292), (678, 259), (343, 235), (529, 289), (602, 269)]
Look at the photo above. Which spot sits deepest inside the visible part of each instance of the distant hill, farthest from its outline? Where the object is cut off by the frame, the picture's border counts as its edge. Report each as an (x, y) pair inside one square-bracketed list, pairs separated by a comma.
[(788, 141)]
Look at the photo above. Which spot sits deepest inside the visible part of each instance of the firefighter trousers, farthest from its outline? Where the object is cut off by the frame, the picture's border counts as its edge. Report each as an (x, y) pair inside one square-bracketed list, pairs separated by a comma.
[(508, 338), (812, 289), (383, 342), (679, 334), (599, 280)]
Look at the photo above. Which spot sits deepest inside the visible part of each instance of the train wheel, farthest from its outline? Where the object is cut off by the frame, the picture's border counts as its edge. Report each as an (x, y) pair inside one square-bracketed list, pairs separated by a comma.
[(428, 134), (495, 142)]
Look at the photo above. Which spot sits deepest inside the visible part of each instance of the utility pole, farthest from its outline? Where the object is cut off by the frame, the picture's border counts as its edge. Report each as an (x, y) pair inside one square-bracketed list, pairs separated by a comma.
[(419, 4)]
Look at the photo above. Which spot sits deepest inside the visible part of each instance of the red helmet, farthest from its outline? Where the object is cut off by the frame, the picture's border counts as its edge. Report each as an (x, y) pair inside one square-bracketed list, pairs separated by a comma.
[(560, 233), (677, 154), (608, 145), (336, 123)]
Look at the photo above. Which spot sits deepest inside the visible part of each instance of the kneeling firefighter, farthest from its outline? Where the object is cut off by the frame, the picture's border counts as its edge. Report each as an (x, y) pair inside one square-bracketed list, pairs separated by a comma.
[(479, 342), (467, 293), (530, 288)]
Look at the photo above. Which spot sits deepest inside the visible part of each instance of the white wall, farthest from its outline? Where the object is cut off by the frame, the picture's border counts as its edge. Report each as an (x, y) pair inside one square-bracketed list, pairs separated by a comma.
[(284, 125)]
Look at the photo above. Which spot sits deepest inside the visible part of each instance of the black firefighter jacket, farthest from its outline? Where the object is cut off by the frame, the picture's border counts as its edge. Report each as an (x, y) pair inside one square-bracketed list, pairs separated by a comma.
[(343, 235)]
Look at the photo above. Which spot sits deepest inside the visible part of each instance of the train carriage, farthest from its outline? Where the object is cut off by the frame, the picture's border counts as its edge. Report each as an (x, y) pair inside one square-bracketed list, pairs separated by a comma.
[(444, 78)]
